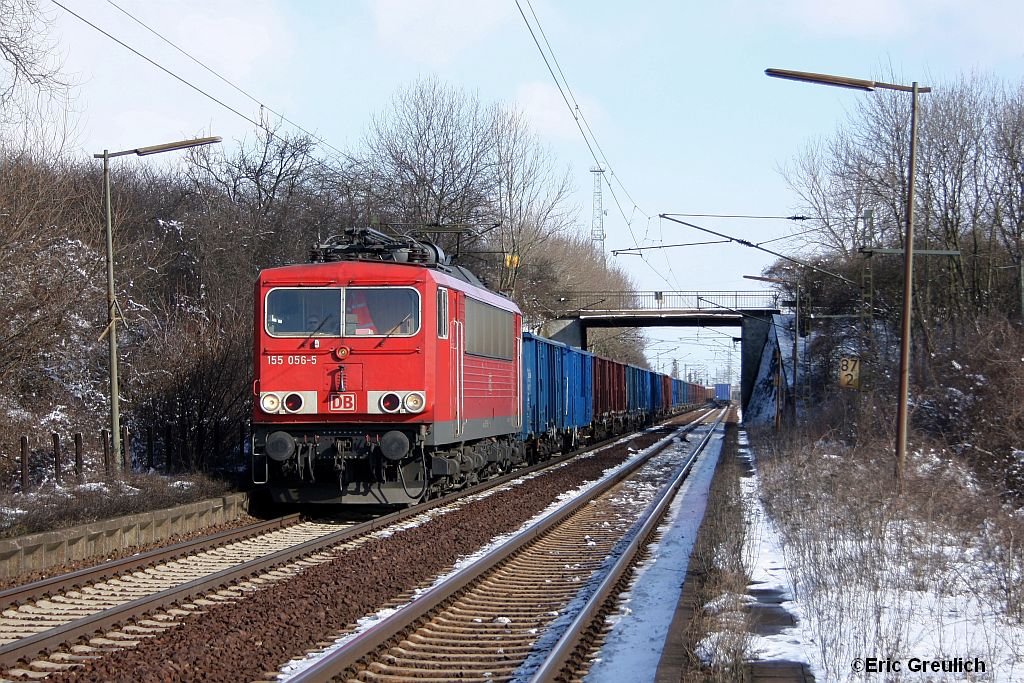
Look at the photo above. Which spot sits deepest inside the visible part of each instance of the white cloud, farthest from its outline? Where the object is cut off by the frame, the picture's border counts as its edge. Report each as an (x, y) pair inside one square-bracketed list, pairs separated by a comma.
[(435, 32), (548, 114), (237, 37)]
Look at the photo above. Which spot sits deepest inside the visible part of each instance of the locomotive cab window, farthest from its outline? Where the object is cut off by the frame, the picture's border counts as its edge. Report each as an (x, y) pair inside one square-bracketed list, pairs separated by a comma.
[(442, 313), (381, 311), (303, 312)]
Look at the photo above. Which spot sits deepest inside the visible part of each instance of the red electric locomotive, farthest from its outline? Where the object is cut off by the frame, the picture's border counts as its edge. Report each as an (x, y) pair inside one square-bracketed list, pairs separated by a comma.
[(384, 375)]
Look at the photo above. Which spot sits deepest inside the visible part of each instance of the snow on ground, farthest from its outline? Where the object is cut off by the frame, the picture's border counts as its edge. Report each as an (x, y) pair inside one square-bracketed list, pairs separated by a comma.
[(634, 646), (885, 632), (764, 552)]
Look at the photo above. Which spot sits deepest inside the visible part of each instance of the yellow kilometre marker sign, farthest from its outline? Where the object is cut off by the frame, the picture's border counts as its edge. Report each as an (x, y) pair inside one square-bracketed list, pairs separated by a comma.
[(849, 373)]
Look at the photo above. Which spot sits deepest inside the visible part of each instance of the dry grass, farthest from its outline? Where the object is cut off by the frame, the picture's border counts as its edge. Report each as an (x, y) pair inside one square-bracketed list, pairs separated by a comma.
[(53, 507), (718, 633), (870, 565)]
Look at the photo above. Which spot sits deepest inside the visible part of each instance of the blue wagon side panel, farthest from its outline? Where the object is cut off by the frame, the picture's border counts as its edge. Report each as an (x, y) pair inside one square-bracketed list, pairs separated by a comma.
[(570, 387), (656, 393), (587, 387), (547, 386), (581, 401), (529, 385)]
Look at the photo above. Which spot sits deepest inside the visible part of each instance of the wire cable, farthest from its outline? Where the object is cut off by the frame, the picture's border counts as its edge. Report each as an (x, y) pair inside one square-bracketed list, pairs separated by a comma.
[(226, 80), (565, 80), (747, 243), (313, 159), (154, 63), (577, 115)]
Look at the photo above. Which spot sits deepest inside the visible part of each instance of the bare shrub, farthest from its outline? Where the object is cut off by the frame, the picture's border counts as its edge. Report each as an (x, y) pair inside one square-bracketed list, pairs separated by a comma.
[(55, 507), (975, 371), (863, 555)]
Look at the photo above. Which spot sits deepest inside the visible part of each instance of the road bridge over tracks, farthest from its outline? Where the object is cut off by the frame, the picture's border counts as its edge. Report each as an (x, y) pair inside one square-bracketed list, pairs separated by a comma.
[(751, 311)]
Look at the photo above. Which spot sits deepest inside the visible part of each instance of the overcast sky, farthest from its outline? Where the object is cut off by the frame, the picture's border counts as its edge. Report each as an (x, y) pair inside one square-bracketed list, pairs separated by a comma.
[(674, 92)]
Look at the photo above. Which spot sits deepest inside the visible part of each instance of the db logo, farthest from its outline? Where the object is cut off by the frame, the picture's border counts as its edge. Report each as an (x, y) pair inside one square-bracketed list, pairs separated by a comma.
[(342, 403)]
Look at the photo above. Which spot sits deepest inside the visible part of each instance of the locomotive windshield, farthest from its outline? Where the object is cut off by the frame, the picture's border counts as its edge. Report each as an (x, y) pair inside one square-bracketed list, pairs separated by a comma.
[(369, 312), (376, 311), (304, 312)]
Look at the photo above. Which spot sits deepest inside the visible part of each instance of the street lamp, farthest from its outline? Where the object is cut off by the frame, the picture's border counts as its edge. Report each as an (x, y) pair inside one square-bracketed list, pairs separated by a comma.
[(796, 325), (111, 329), (908, 242)]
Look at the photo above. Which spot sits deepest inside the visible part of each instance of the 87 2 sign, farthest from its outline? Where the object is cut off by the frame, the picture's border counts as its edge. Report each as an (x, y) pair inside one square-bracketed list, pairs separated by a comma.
[(849, 373)]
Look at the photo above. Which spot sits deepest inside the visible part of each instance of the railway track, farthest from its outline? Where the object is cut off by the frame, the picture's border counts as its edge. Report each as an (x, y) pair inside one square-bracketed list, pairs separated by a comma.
[(41, 616), (55, 624), (532, 606)]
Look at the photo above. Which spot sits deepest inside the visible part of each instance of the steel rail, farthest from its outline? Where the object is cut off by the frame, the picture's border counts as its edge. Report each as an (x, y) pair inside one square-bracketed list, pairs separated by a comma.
[(559, 657), (348, 655), (62, 582), (23, 649)]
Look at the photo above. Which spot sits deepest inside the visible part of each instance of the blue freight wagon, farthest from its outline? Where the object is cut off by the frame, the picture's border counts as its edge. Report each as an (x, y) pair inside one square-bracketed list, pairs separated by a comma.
[(557, 391), (723, 392)]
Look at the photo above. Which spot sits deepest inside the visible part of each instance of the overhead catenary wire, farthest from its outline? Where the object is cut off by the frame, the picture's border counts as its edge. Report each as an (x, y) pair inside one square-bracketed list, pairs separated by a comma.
[(585, 131), (224, 79), (597, 144), (747, 243), (635, 251), (204, 93), (740, 215), (155, 63)]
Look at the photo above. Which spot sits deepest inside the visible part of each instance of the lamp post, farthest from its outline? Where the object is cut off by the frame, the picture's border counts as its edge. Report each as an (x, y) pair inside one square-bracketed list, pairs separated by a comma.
[(111, 329), (796, 326), (908, 242)]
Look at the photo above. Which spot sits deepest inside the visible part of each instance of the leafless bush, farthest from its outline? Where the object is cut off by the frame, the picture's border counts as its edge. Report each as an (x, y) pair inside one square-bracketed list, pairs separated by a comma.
[(204, 383), (863, 554), (54, 507)]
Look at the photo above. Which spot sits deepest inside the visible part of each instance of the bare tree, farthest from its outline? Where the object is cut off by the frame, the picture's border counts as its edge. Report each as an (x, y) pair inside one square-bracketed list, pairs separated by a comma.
[(955, 194), (257, 207), (1007, 151), (529, 199), (426, 160), (29, 72), (818, 176), (46, 262)]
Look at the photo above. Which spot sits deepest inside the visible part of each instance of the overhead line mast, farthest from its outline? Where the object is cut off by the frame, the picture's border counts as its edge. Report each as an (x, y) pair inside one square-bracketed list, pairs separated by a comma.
[(597, 223)]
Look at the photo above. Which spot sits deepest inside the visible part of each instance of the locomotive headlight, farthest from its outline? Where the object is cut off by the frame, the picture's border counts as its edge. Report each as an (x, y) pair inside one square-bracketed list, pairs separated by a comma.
[(390, 403), (293, 403), (414, 401), (270, 403)]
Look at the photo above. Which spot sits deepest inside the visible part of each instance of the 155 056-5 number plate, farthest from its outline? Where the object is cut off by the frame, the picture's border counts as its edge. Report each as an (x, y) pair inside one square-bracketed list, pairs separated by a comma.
[(291, 360)]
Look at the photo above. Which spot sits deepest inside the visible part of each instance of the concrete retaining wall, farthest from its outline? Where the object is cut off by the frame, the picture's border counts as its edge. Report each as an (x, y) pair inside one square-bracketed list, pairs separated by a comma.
[(35, 552)]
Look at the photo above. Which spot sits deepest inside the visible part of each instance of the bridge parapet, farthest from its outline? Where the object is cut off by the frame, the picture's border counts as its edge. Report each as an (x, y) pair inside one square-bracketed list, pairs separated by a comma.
[(652, 301)]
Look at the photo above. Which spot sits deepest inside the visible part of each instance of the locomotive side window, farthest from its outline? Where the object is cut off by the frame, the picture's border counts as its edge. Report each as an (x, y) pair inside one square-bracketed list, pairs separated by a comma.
[(488, 330), (303, 312), (442, 313), (381, 311)]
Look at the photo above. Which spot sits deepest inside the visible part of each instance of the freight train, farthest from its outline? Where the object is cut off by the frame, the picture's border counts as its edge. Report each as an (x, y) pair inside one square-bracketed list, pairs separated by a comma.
[(386, 375)]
